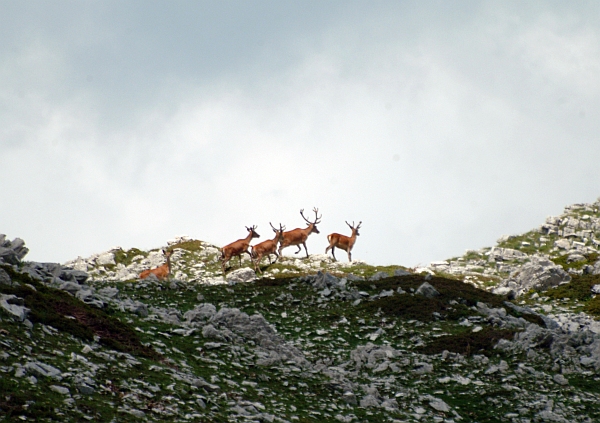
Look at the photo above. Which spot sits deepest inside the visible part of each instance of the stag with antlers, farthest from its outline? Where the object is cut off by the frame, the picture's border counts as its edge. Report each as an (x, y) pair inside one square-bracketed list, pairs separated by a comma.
[(161, 272), (267, 247), (238, 247), (343, 242), (299, 236)]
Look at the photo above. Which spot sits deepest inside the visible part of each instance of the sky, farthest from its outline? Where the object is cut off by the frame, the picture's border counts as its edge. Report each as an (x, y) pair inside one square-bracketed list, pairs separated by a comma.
[(440, 125)]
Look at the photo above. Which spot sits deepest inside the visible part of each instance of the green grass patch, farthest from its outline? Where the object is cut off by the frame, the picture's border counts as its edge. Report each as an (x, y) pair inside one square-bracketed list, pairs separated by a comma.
[(578, 289), (590, 259)]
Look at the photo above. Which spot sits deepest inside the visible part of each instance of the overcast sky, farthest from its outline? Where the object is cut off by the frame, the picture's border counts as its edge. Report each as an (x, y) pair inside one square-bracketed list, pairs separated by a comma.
[(440, 125)]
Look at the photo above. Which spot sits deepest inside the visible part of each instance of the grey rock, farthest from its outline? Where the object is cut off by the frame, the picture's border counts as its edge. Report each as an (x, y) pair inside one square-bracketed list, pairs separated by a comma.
[(353, 278), (242, 275), (8, 256), (427, 290), (141, 309), (74, 275), (105, 258), (325, 280), (108, 292), (379, 275), (85, 389), (201, 313), (369, 401), (539, 274), (60, 389), (423, 368), (560, 379), (388, 293), (88, 297), (18, 246), (596, 268), (349, 398), (71, 287), (563, 244), (439, 405), (41, 369), (390, 404), (326, 292), (401, 272), (4, 278), (13, 305)]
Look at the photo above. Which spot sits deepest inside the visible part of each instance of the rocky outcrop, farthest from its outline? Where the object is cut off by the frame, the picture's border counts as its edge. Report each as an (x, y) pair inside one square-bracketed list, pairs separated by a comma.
[(12, 252), (539, 274)]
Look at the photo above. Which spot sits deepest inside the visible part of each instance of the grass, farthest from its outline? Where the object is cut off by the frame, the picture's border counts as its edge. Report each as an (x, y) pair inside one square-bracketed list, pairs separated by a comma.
[(469, 342), (68, 314), (327, 329)]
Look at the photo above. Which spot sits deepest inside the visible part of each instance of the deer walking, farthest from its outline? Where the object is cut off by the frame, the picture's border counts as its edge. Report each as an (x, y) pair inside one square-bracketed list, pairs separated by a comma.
[(161, 272), (299, 236), (238, 247), (267, 247), (343, 242)]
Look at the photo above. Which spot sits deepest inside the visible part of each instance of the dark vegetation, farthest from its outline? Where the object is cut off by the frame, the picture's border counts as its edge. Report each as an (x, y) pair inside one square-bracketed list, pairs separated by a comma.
[(468, 342), (68, 314)]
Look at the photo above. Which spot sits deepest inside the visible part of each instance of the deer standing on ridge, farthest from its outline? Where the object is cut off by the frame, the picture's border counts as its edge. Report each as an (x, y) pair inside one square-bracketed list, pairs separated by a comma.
[(238, 248), (267, 247), (343, 242), (299, 236), (161, 272)]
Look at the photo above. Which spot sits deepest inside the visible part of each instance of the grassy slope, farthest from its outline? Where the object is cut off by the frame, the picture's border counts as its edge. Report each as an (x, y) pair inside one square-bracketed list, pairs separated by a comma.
[(326, 330)]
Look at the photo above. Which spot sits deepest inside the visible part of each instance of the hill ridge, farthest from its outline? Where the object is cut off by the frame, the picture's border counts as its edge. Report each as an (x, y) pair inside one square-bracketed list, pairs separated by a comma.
[(307, 340)]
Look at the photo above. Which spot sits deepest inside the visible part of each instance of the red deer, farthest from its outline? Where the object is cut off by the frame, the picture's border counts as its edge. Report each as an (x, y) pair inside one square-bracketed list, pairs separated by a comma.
[(161, 272), (238, 248), (267, 247), (343, 242), (299, 236)]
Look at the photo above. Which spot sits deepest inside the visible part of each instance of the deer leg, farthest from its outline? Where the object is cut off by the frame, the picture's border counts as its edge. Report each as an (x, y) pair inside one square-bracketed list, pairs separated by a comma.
[(305, 249), (223, 265), (349, 256), (299, 248), (333, 253), (257, 264)]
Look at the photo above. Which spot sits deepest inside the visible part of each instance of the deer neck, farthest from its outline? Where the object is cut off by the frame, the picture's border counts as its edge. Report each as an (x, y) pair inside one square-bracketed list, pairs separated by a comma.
[(308, 230)]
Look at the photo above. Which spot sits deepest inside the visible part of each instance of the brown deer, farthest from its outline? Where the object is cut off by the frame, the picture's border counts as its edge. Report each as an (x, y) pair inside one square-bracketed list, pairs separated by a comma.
[(299, 236), (238, 248), (161, 272), (267, 247), (343, 242)]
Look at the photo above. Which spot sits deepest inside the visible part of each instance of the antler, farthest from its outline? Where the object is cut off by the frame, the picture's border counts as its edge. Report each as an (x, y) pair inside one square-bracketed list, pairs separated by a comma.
[(352, 226), (281, 227), (317, 217)]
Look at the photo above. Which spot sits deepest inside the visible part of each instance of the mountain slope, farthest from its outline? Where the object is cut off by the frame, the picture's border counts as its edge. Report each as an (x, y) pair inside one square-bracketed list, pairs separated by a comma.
[(307, 340)]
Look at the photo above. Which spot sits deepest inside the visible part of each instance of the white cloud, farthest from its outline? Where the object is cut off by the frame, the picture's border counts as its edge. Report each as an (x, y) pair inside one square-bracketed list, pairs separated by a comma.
[(438, 141)]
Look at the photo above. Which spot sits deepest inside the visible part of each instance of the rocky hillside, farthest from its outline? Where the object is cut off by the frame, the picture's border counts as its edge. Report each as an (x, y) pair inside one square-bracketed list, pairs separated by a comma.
[(564, 245), (503, 334)]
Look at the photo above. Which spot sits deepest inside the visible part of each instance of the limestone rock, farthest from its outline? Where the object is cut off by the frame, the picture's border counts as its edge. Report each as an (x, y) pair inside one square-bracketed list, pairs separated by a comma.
[(427, 290), (242, 275), (539, 274)]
